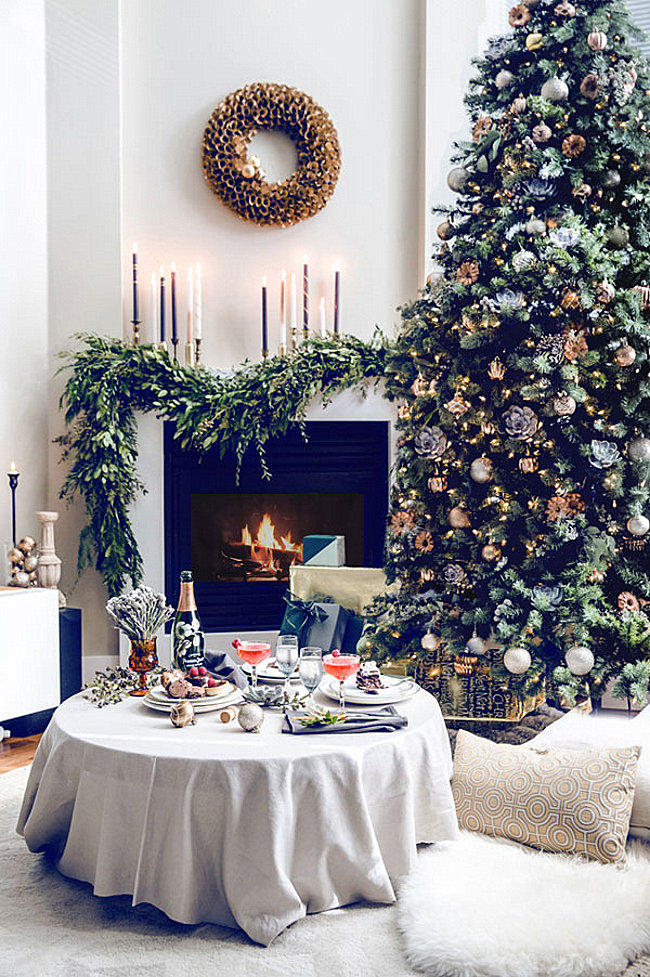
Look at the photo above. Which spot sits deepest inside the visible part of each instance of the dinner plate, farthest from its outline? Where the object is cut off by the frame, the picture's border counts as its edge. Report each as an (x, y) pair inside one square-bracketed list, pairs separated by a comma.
[(397, 690), (267, 673), (158, 693), (208, 704)]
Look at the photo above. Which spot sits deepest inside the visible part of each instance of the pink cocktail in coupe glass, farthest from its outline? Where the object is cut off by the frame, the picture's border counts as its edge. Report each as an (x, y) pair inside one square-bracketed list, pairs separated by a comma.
[(341, 667), (252, 652)]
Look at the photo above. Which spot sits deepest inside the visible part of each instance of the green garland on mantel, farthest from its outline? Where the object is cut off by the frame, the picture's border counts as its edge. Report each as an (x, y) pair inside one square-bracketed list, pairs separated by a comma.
[(233, 411)]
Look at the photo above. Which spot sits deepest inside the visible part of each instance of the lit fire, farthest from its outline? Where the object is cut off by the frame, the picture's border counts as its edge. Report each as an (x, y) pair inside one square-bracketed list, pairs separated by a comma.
[(267, 539)]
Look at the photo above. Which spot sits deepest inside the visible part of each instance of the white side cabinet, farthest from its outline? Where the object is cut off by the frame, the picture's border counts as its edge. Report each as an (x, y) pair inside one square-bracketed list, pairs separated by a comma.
[(29, 651)]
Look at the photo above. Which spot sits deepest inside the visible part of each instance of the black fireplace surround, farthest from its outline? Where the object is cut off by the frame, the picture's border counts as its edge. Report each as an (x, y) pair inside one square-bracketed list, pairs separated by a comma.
[(339, 459)]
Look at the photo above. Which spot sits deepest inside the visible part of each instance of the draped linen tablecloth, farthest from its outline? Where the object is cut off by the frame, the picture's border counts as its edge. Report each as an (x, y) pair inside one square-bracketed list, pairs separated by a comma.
[(212, 824)]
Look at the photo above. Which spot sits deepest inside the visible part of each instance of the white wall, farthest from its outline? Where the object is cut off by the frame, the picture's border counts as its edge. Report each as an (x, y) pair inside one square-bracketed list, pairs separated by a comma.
[(23, 260)]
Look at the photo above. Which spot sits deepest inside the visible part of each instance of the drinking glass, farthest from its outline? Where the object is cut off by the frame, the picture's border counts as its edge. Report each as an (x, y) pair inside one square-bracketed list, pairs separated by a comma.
[(252, 652), (341, 667), (310, 670), (286, 658)]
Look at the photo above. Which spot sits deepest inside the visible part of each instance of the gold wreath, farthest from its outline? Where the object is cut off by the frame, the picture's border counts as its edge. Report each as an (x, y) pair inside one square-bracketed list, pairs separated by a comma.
[(239, 180)]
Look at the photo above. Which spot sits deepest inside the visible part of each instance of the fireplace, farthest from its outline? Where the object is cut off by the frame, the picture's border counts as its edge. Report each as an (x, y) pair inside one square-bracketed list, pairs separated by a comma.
[(241, 539)]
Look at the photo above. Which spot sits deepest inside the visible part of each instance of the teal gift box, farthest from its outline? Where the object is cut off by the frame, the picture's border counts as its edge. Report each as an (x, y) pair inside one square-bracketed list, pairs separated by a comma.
[(319, 625), (323, 551)]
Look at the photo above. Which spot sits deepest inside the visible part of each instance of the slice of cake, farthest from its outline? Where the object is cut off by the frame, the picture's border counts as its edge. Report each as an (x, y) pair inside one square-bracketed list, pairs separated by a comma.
[(369, 678)]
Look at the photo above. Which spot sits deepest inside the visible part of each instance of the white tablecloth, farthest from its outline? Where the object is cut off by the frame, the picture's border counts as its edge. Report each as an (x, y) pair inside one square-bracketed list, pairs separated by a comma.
[(212, 824)]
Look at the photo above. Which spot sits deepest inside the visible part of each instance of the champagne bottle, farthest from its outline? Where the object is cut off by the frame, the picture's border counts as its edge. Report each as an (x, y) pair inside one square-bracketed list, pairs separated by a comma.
[(188, 640)]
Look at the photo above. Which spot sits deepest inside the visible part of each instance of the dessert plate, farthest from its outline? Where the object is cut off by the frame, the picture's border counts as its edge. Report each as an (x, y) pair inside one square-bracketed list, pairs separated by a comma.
[(158, 693), (207, 704), (267, 673), (397, 690)]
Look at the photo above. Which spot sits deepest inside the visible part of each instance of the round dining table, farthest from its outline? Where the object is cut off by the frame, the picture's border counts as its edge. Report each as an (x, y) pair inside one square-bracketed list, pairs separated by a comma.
[(212, 824)]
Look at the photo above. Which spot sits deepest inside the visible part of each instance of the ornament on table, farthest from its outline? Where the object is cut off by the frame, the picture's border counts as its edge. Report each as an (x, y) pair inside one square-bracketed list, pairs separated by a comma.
[(504, 79), (402, 520), (519, 423), (182, 714), (490, 553), (481, 470), (582, 192), (565, 9), (535, 227), (565, 238), (597, 40), (639, 449), (591, 87), (453, 575), (579, 659), (457, 405), (555, 90), (24, 563), (437, 483), (420, 386), (625, 355), (424, 542), (250, 717), (430, 641), (643, 291), (496, 370), (457, 179), (605, 292), (430, 442), (627, 602), (519, 16), (604, 454), (468, 273), (618, 237), (459, 518), (564, 405), (534, 41), (517, 660), (481, 128), (638, 525), (551, 348), (519, 105), (523, 261), (528, 465), (575, 344), (445, 230), (570, 299), (574, 146)]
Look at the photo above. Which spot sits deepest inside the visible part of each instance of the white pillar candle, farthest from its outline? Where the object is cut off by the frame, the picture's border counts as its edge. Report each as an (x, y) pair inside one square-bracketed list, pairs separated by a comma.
[(283, 309), (190, 304), (154, 308), (293, 305), (198, 304), (321, 314)]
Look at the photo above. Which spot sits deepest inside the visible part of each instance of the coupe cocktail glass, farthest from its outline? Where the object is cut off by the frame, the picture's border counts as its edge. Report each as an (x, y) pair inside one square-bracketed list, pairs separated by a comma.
[(252, 652), (341, 667)]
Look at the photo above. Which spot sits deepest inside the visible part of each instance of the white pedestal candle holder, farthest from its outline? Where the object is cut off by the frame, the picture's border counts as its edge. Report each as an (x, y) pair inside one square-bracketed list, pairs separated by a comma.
[(49, 564)]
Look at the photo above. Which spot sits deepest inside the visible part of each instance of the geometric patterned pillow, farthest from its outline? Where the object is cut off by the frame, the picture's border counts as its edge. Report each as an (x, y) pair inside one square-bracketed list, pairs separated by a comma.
[(568, 801)]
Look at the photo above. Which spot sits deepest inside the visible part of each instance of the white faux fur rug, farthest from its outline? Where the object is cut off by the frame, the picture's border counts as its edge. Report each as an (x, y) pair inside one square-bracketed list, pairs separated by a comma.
[(481, 907)]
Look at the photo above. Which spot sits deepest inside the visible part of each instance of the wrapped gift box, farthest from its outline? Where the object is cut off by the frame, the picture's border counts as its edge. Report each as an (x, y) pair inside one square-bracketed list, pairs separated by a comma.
[(323, 551), (321, 625), (351, 587)]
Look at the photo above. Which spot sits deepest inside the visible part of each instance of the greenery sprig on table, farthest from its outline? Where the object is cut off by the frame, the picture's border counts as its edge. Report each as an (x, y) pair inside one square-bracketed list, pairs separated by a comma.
[(110, 382), (114, 684)]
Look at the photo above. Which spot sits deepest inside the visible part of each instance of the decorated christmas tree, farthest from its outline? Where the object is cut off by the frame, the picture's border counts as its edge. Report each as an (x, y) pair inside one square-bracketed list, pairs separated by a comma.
[(519, 519)]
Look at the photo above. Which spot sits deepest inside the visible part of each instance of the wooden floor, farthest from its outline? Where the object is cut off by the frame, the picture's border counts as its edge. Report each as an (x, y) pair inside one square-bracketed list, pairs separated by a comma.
[(15, 752)]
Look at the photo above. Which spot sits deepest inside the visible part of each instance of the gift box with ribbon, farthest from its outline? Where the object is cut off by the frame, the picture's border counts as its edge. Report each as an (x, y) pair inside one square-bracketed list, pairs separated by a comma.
[(321, 625)]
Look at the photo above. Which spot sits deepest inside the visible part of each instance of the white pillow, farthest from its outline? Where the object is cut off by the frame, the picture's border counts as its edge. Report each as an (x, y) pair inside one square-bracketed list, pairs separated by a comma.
[(579, 730)]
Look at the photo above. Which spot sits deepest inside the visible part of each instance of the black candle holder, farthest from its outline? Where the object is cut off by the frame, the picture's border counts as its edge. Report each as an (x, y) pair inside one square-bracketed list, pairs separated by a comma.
[(175, 350), (13, 485), (136, 331)]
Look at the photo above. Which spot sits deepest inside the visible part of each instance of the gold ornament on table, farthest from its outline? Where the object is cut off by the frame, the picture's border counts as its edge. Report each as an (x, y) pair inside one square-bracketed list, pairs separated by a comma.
[(239, 180), (182, 714), (24, 563)]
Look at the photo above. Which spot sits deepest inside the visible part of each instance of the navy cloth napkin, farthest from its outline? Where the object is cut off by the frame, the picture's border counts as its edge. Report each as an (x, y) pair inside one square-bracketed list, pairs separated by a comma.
[(385, 720), (221, 664)]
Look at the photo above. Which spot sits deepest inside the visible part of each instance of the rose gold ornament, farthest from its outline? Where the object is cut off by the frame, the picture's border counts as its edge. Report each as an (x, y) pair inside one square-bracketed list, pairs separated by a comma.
[(490, 552), (437, 483), (528, 465), (605, 292), (597, 40), (519, 105), (542, 133), (564, 405), (459, 518), (625, 355), (445, 230), (496, 369)]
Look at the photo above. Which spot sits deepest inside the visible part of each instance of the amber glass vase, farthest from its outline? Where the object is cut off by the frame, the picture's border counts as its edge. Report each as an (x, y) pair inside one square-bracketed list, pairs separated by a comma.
[(142, 659)]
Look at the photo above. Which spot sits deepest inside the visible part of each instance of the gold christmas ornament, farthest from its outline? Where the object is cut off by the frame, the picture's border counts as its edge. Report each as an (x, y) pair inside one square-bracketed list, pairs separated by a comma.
[(490, 553), (564, 405), (466, 665), (534, 41), (445, 231), (573, 146), (27, 544), (542, 133), (625, 355), (240, 184), (437, 484), (597, 40), (182, 714), (528, 465), (459, 518), (496, 369), (519, 105), (468, 273)]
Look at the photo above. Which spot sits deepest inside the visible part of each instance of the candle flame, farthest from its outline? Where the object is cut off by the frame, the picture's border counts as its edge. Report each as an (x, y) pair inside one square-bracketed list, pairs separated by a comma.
[(283, 274), (173, 267), (135, 247), (162, 271), (263, 281)]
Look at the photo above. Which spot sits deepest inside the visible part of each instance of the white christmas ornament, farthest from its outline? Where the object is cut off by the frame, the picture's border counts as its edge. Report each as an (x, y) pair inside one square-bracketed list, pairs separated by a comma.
[(524, 260), (535, 227), (517, 660), (638, 525), (555, 90), (579, 659), (475, 646), (504, 79), (481, 470), (430, 641), (457, 178), (639, 449)]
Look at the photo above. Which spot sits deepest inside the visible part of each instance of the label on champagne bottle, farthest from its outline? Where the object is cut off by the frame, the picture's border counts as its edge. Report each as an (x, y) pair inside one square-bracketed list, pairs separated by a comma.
[(188, 640)]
